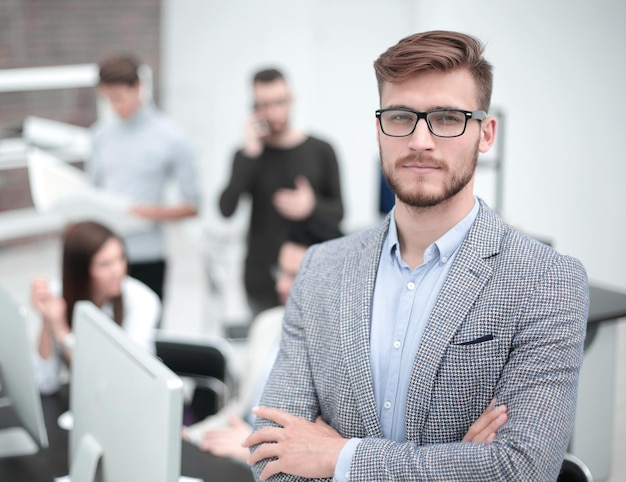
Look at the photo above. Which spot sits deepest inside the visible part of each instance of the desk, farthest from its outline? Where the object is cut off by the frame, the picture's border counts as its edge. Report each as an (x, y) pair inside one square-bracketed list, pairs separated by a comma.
[(593, 420), (592, 438), (53, 461), (605, 304)]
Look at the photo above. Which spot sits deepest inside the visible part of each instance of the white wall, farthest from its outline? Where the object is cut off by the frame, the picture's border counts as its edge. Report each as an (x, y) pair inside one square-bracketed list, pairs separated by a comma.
[(326, 48), (559, 76), (559, 70)]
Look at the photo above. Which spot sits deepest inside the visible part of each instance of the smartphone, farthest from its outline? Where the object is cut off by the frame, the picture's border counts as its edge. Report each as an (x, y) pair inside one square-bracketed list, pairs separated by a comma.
[(261, 127)]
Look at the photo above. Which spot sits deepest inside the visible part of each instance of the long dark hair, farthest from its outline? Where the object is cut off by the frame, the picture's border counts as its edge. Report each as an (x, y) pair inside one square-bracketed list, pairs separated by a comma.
[(81, 241)]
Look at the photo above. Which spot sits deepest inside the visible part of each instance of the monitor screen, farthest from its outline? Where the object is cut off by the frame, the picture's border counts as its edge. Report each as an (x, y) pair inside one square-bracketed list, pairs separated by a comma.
[(127, 406), (18, 388)]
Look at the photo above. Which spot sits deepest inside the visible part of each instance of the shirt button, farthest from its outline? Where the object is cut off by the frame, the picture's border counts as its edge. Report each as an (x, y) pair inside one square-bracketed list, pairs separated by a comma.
[(397, 344), (387, 405), (444, 259), (410, 285), (348, 475)]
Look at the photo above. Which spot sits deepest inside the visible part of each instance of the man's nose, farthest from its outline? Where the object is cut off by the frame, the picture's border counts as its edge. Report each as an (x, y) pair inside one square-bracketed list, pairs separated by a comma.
[(421, 138)]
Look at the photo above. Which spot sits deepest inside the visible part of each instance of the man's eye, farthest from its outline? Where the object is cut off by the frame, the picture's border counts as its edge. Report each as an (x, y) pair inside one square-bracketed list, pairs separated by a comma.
[(447, 117), (401, 117)]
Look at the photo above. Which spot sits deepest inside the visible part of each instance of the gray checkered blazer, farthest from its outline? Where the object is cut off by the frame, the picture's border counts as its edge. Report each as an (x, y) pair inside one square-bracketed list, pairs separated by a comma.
[(532, 300)]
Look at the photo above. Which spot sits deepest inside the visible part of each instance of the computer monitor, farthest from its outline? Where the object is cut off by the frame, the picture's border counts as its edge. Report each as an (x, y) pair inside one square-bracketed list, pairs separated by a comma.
[(18, 388), (127, 406)]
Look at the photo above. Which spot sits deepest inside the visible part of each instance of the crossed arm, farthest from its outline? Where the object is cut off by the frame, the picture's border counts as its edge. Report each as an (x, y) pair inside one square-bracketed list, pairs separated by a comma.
[(311, 449), (536, 377)]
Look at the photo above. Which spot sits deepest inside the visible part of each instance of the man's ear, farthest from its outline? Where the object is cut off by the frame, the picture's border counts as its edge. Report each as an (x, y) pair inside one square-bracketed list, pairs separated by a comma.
[(487, 133)]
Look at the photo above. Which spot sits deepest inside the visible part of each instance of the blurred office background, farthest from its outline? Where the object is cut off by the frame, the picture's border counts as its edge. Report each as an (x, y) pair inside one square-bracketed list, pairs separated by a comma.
[(558, 171)]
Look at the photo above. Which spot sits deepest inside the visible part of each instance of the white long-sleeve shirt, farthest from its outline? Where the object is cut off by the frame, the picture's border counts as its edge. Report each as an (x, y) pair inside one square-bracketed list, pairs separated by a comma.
[(142, 310)]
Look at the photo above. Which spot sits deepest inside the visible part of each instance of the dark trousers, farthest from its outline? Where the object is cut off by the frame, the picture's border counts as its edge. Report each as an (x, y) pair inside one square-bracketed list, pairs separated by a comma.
[(151, 274)]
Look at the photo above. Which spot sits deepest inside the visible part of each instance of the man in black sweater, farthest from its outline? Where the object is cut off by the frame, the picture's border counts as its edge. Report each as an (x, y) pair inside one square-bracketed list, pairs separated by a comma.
[(291, 178)]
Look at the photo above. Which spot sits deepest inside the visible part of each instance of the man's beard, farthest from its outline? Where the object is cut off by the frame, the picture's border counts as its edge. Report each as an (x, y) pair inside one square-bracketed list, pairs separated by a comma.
[(415, 195)]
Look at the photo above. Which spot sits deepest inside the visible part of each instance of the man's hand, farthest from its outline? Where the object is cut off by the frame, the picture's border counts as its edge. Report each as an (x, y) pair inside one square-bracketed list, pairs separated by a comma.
[(311, 450), (255, 132), (302, 448), (485, 428), (156, 212), (295, 204)]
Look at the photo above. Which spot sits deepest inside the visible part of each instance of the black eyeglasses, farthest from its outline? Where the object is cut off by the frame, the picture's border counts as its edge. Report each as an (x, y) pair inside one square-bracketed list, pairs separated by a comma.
[(276, 273), (270, 103), (401, 122)]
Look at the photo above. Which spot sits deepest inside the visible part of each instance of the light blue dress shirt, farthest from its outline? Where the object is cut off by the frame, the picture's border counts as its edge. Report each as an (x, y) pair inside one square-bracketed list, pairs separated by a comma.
[(136, 159), (402, 302)]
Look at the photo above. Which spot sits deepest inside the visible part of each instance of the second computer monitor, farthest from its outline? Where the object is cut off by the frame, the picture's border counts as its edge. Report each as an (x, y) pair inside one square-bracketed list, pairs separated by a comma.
[(18, 387), (127, 406)]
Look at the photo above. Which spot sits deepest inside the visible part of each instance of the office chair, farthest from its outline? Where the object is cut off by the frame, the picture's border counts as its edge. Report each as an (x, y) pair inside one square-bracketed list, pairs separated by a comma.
[(574, 470), (205, 362)]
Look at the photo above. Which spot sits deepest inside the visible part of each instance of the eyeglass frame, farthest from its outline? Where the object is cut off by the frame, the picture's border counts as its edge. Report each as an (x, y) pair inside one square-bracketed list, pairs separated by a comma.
[(276, 272), (469, 114), (258, 106)]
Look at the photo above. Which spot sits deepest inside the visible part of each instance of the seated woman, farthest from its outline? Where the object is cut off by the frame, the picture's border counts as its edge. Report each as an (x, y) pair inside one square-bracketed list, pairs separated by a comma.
[(93, 268)]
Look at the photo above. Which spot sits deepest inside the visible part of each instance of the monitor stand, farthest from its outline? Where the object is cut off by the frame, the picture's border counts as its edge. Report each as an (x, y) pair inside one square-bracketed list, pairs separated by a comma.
[(84, 466), (15, 441)]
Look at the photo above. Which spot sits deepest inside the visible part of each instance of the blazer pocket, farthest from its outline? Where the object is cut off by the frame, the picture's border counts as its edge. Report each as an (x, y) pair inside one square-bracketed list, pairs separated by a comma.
[(471, 367), (476, 341), (465, 382)]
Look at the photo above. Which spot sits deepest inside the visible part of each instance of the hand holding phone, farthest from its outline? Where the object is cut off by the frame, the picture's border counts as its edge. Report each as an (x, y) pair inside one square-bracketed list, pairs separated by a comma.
[(261, 127), (256, 129)]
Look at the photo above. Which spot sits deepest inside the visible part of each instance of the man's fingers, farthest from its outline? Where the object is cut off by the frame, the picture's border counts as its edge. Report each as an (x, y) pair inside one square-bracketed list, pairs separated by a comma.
[(498, 423), (488, 422), (265, 451), (488, 416), (264, 435), (302, 182), (488, 432), (488, 435), (275, 415), (271, 468), (320, 421)]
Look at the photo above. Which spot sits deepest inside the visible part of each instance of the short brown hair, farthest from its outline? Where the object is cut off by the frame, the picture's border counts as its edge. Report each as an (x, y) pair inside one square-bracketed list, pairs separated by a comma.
[(439, 51), (121, 70), (267, 75)]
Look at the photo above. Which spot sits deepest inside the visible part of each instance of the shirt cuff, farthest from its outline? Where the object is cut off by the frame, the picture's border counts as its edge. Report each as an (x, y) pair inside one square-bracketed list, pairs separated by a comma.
[(342, 469), (47, 373)]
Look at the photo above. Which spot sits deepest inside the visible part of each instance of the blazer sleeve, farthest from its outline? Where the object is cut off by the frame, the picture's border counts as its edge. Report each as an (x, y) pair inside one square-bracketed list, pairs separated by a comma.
[(538, 384), (291, 364)]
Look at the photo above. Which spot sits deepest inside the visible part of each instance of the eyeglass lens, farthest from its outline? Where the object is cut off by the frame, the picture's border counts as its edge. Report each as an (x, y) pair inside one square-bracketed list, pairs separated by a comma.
[(443, 123)]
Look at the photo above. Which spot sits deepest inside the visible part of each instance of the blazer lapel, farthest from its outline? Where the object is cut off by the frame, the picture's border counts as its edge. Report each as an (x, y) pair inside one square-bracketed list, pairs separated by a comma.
[(465, 281), (359, 276)]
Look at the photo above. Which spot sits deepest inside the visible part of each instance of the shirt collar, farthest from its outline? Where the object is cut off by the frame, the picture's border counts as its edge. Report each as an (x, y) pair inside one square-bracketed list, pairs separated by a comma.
[(444, 247), (139, 115)]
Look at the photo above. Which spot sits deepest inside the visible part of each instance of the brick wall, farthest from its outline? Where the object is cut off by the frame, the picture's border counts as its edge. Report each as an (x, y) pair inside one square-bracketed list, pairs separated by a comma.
[(41, 33)]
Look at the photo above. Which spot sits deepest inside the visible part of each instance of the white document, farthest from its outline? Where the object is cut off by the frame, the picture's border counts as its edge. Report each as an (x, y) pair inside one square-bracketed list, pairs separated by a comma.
[(54, 135), (60, 188)]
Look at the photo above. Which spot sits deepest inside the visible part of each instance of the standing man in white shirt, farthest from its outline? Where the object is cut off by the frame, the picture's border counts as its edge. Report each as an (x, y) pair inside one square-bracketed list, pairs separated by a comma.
[(135, 155)]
